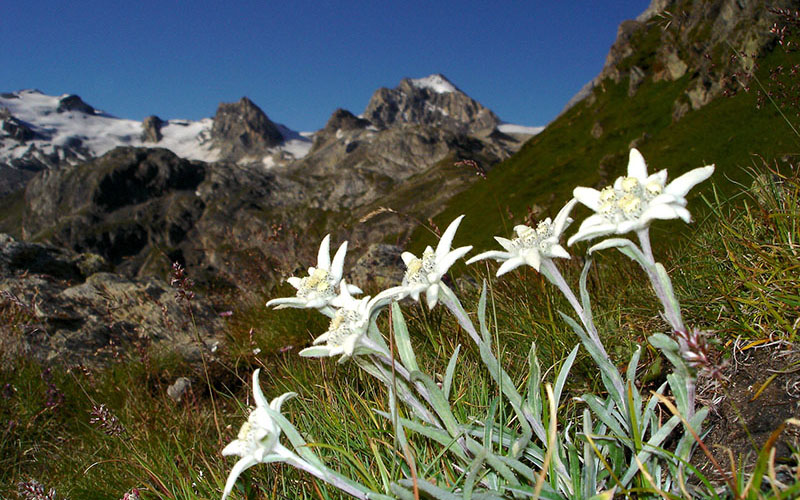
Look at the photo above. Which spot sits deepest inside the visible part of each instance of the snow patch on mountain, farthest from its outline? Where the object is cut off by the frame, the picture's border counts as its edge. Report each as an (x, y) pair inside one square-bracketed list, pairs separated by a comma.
[(81, 133), (510, 128), (437, 83)]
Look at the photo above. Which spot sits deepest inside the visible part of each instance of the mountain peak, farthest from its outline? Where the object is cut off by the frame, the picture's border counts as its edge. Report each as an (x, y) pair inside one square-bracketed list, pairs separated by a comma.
[(432, 100), (435, 82), (242, 128)]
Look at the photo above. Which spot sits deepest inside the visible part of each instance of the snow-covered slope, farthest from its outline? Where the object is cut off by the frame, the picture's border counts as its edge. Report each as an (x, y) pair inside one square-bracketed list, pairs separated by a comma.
[(57, 129)]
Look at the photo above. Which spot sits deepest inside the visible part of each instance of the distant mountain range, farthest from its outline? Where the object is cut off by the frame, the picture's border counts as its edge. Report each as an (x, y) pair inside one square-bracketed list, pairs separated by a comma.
[(39, 131)]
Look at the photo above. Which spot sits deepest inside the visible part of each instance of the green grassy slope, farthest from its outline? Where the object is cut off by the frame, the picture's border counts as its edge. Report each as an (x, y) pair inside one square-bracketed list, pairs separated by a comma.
[(726, 132)]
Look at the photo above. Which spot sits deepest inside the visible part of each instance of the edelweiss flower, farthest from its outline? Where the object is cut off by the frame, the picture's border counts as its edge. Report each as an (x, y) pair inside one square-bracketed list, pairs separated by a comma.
[(258, 439), (531, 245), (425, 274), (348, 328), (632, 202), (318, 289)]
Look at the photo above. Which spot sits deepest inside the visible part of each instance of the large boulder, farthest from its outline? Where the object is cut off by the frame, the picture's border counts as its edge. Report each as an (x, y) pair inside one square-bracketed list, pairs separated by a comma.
[(68, 310)]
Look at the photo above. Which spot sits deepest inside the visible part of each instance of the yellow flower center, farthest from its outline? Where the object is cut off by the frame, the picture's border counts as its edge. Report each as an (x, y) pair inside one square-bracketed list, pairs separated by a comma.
[(630, 204), (607, 195), (414, 266), (629, 184), (244, 431), (654, 188)]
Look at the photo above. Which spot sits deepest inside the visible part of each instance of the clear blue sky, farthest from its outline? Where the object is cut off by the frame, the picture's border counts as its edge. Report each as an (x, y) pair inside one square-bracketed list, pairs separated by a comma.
[(299, 61)]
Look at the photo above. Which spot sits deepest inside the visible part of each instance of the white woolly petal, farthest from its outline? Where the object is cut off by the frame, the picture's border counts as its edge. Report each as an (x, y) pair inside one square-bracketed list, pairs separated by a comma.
[(258, 396), (591, 231), (532, 258), (505, 243), (683, 214), (636, 165), (276, 403), (558, 251), (668, 199), (294, 281), (353, 290), (631, 225), (447, 238), (510, 265), (432, 295), (407, 257), (322, 338), (663, 212), (491, 254), (682, 185), (238, 468), (324, 254), (322, 351), (562, 219), (660, 177), (236, 447), (588, 196), (450, 259), (337, 266), (349, 345), (284, 302)]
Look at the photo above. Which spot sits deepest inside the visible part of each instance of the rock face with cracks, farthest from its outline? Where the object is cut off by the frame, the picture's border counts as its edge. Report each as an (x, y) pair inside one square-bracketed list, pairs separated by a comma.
[(70, 310)]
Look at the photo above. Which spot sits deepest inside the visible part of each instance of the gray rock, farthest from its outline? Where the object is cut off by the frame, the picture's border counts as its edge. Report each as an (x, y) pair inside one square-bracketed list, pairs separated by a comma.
[(380, 266), (407, 103), (178, 388), (68, 318), (73, 102), (14, 128), (242, 129), (152, 129)]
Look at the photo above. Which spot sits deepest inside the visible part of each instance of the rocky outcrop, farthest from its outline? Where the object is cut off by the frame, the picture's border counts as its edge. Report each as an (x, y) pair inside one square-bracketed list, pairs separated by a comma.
[(14, 128), (142, 209), (430, 101), (380, 265), (675, 38), (68, 310), (242, 129), (73, 102), (151, 129), (123, 205)]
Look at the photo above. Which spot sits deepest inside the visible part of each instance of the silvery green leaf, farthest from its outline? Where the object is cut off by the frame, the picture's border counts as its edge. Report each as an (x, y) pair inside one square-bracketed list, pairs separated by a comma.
[(524, 491), (684, 448), (494, 462), (487, 338), (611, 378), (402, 339), (589, 458), (652, 446), (562, 375), (670, 349), (294, 437), (440, 436), (605, 415), (448, 374), (668, 290), (624, 245), (518, 466), (474, 469), (585, 300), (440, 405), (534, 397), (678, 385)]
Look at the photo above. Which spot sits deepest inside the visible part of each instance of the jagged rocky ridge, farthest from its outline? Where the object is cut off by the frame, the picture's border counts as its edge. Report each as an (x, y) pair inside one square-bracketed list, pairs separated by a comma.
[(141, 208)]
